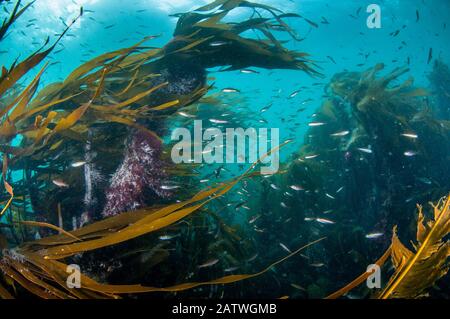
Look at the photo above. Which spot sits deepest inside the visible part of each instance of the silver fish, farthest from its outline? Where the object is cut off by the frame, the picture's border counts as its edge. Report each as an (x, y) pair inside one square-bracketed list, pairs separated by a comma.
[(215, 121), (325, 221), (230, 90), (410, 153), (340, 134), (374, 235), (410, 135), (209, 263), (315, 124), (60, 183), (285, 248), (365, 150), (78, 164), (169, 187)]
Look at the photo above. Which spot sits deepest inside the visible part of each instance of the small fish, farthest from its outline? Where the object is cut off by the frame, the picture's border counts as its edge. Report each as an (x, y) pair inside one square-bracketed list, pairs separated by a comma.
[(296, 188), (294, 94), (78, 164), (417, 15), (186, 114), (365, 150), (325, 221), (166, 237), (240, 204), (283, 205), (340, 134), (410, 153), (254, 219), (209, 263), (331, 59), (374, 235), (169, 187), (60, 183), (230, 269), (215, 121), (298, 287), (430, 55), (265, 108), (249, 71), (285, 248), (317, 265), (329, 196), (394, 34), (311, 156), (425, 180), (218, 43), (275, 187), (325, 21), (230, 90), (410, 135), (315, 124), (340, 190)]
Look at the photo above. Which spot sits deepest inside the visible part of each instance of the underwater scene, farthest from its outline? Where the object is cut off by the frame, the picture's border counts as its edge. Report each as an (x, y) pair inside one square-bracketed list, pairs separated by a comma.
[(225, 149)]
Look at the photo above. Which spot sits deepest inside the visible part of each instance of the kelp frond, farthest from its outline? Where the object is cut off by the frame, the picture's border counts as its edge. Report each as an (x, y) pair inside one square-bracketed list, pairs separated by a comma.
[(419, 269), (211, 41), (34, 265), (15, 14)]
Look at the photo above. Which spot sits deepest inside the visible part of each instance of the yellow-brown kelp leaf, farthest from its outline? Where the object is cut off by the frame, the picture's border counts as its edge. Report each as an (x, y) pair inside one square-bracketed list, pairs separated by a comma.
[(56, 271), (21, 280), (31, 277), (158, 219), (419, 270), (24, 96), (4, 294), (15, 14), (98, 229), (73, 117), (17, 71), (362, 278), (47, 225), (8, 187)]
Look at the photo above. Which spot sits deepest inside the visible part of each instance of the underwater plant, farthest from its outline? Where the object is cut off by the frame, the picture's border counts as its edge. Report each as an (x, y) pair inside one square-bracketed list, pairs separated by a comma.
[(440, 81), (415, 271), (371, 142), (120, 97)]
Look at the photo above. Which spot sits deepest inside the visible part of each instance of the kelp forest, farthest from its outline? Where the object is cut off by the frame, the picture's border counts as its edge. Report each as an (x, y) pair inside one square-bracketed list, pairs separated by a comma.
[(88, 180)]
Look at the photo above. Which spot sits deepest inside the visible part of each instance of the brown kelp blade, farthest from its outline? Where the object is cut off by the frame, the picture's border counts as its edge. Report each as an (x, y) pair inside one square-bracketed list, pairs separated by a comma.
[(157, 219), (200, 30), (19, 70), (15, 14), (415, 272), (39, 273), (362, 278), (428, 263)]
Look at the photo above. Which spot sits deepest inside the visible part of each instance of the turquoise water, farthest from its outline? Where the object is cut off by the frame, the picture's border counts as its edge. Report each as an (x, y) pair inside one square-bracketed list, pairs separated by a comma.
[(352, 192)]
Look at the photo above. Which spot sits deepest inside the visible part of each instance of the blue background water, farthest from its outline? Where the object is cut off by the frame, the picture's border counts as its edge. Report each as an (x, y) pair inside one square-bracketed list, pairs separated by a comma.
[(115, 24)]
